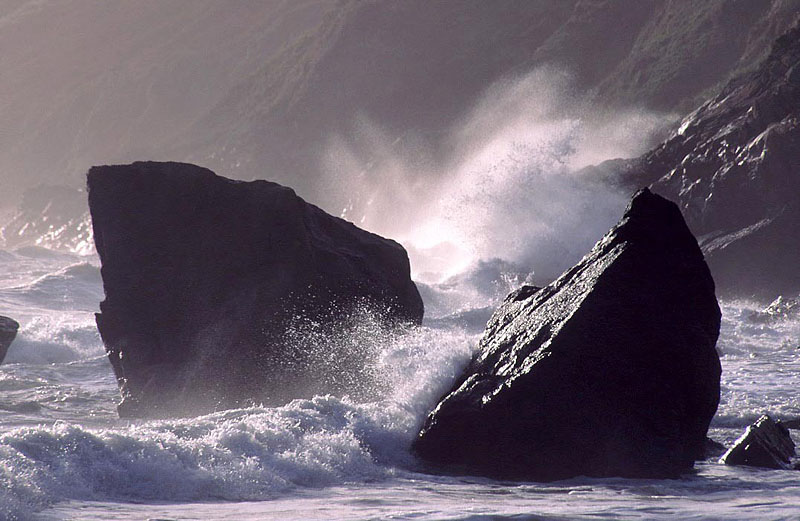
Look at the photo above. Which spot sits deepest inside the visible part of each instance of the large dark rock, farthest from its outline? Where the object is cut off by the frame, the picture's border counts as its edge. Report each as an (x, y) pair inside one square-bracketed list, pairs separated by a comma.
[(8, 332), (611, 370), (765, 444), (733, 167), (211, 286)]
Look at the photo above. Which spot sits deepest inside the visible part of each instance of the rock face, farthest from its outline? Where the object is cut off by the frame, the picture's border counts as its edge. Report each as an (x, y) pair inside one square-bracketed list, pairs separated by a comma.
[(8, 332), (611, 370), (278, 80), (783, 307), (734, 168), (764, 444), (779, 309), (210, 284)]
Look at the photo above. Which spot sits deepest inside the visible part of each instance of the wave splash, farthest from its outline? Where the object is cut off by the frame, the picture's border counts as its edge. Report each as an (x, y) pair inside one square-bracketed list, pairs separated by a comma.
[(245, 454)]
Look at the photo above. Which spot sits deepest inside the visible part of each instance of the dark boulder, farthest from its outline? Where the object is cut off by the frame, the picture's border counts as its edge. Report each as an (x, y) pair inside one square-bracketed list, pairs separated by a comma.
[(8, 332), (211, 285), (611, 370), (765, 444)]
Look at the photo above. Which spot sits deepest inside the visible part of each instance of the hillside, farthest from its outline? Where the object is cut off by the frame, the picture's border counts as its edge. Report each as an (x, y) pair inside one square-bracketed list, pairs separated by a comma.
[(734, 168), (258, 90)]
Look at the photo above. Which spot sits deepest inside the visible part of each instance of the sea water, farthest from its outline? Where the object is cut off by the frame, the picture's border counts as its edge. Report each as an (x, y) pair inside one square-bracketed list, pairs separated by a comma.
[(64, 453)]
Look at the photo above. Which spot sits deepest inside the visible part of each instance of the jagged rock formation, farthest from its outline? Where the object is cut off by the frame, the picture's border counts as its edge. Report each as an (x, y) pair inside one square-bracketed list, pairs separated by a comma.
[(734, 169), (779, 309), (783, 307), (210, 282), (765, 444), (611, 370), (8, 332)]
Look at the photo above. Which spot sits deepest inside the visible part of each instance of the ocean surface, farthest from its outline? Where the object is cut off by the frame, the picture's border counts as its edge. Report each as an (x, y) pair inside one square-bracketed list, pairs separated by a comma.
[(64, 453)]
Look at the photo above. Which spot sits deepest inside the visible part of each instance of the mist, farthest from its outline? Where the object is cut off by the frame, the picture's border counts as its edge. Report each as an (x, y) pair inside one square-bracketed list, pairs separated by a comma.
[(506, 187)]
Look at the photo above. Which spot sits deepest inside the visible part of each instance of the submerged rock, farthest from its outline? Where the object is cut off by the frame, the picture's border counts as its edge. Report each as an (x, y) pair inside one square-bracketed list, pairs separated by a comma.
[(779, 309), (783, 307), (611, 370), (211, 285), (8, 332), (765, 444)]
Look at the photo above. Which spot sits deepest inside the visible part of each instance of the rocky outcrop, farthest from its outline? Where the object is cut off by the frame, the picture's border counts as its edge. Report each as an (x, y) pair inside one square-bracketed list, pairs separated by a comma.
[(733, 167), (765, 443), (211, 286), (783, 307), (8, 332), (611, 370), (779, 309)]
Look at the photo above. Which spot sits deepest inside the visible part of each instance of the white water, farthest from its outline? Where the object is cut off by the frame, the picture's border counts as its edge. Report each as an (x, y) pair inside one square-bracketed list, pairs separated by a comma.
[(65, 455)]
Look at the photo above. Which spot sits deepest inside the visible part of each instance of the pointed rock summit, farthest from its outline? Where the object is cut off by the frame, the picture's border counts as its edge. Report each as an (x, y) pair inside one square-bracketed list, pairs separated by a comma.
[(211, 286), (611, 370)]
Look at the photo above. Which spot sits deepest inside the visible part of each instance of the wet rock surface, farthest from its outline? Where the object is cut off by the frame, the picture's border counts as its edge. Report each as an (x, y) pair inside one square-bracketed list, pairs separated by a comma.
[(611, 370), (765, 443), (211, 286), (779, 309), (8, 332), (733, 167)]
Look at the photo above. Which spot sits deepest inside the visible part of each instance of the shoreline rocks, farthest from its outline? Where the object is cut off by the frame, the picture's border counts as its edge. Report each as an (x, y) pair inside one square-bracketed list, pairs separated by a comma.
[(765, 444), (8, 332), (611, 370), (210, 283)]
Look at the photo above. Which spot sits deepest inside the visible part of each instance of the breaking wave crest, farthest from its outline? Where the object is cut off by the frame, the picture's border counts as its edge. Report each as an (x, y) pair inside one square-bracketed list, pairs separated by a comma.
[(245, 454)]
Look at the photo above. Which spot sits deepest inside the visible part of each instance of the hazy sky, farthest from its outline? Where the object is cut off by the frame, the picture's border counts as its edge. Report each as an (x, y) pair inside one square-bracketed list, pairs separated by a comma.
[(86, 82)]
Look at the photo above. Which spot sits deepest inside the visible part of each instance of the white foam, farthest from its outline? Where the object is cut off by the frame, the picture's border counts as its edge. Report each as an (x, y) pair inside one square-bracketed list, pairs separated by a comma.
[(249, 454)]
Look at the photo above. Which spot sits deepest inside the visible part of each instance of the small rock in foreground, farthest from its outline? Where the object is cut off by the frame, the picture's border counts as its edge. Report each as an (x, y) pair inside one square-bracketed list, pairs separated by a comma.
[(765, 443)]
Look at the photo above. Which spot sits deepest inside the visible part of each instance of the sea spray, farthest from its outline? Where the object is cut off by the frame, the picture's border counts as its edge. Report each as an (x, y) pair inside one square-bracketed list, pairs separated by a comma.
[(245, 454), (504, 186), (61, 438)]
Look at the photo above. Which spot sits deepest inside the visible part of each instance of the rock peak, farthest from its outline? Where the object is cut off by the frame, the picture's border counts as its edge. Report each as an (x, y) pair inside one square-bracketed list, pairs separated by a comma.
[(611, 370)]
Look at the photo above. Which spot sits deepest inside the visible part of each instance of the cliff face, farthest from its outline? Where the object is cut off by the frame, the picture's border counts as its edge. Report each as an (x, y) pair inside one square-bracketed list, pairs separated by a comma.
[(211, 286), (414, 68), (734, 169), (239, 86), (54, 217)]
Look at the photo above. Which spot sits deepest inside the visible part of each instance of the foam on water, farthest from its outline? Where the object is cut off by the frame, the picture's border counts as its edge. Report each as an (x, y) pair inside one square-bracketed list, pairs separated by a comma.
[(61, 438), (761, 365), (63, 449), (239, 455), (53, 296)]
